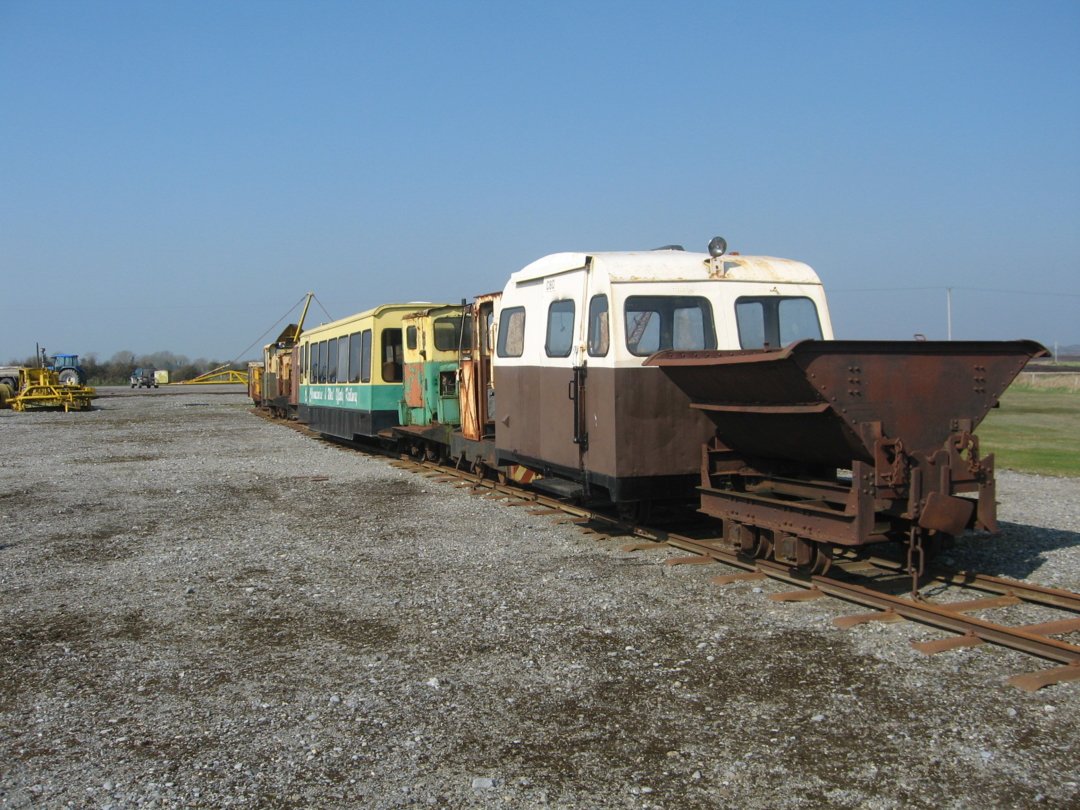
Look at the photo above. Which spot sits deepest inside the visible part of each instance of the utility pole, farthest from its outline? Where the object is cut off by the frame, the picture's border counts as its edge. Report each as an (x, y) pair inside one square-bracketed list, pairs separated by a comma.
[(948, 314)]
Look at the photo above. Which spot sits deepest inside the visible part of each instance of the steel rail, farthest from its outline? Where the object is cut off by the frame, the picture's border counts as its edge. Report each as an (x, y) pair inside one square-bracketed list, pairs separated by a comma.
[(1036, 594), (929, 613)]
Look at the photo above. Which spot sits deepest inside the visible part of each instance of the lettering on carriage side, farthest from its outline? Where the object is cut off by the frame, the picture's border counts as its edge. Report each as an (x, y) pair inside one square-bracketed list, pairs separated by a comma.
[(352, 396)]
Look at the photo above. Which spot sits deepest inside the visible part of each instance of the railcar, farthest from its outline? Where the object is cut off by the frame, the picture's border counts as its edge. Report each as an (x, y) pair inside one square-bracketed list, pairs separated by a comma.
[(255, 382), (352, 373), (278, 377), (573, 400), (429, 410)]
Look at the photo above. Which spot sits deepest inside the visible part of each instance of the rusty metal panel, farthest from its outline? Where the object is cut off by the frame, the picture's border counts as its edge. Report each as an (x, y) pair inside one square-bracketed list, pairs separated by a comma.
[(899, 415), (414, 384), (828, 401)]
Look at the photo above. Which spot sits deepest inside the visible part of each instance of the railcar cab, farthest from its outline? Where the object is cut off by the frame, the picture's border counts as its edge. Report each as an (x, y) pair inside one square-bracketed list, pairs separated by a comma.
[(573, 329), (474, 443), (280, 383), (429, 410), (352, 373)]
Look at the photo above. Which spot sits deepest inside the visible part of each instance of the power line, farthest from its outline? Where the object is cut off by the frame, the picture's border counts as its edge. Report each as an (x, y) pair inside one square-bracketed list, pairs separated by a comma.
[(966, 289)]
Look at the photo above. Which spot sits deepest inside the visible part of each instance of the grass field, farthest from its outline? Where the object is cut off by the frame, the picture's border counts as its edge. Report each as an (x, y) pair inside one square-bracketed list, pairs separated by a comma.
[(1034, 431)]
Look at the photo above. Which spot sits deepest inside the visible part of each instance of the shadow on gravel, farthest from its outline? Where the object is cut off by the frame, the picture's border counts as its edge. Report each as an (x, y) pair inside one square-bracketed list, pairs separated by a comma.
[(1004, 554)]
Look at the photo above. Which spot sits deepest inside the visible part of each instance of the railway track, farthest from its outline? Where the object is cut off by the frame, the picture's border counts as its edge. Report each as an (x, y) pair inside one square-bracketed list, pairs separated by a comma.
[(867, 582), (872, 582)]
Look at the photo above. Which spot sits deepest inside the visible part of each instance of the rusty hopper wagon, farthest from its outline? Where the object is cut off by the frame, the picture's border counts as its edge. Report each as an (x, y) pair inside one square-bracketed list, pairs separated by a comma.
[(847, 443)]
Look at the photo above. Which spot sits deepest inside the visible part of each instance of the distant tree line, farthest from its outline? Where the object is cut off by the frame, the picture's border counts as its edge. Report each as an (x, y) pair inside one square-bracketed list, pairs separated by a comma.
[(117, 369)]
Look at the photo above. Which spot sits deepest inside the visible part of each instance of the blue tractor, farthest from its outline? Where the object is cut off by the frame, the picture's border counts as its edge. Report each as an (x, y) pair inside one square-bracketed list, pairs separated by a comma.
[(66, 366)]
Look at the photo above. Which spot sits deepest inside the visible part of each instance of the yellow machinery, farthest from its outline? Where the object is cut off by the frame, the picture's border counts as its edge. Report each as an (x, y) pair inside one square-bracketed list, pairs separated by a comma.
[(40, 388), (221, 374)]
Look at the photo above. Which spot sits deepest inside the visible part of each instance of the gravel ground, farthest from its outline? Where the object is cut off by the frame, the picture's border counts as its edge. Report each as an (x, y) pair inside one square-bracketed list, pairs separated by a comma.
[(189, 616)]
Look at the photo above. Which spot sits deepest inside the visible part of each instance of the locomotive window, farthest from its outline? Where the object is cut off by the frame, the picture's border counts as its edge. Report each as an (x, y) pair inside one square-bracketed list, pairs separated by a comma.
[(410, 338), (393, 356), (511, 342), (489, 329), (773, 321), (657, 322), (354, 357), (598, 326), (466, 336), (448, 333), (365, 356), (343, 359), (560, 329)]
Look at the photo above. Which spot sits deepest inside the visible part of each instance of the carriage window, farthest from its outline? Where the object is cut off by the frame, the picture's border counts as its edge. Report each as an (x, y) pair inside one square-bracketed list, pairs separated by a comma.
[(410, 338), (343, 359), (448, 333), (322, 361), (774, 322), (331, 361), (365, 356), (598, 326), (303, 358), (560, 329), (657, 322), (511, 342), (392, 355), (354, 357)]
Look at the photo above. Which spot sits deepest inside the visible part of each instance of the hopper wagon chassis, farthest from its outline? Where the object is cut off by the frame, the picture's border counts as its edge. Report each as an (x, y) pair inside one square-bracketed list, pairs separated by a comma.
[(846, 444)]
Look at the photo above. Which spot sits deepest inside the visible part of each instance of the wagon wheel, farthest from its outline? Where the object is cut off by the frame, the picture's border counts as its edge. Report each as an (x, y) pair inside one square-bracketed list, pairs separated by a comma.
[(635, 512), (762, 548), (822, 560)]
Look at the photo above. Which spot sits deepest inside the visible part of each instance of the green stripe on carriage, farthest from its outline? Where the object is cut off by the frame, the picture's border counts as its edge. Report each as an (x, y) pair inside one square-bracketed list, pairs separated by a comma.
[(352, 397)]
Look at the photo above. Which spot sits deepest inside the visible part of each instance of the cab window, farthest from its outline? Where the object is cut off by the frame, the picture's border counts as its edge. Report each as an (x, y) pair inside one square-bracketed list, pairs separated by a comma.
[(560, 329), (511, 341), (448, 333), (393, 356), (598, 326), (657, 322), (775, 321)]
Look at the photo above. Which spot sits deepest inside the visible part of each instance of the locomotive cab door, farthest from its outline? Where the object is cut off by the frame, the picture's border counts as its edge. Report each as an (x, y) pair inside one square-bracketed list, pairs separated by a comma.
[(579, 385), (560, 378)]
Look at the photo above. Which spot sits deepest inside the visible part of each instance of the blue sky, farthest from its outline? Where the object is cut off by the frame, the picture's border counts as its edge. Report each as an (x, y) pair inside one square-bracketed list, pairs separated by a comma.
[(175, 175)]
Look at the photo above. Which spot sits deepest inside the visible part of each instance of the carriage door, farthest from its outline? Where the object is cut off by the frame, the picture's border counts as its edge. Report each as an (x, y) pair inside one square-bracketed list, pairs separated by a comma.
[(587, 323)]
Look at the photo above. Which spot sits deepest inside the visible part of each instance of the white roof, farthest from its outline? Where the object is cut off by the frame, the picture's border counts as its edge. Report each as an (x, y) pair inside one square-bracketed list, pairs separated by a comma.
[(671, 265)]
